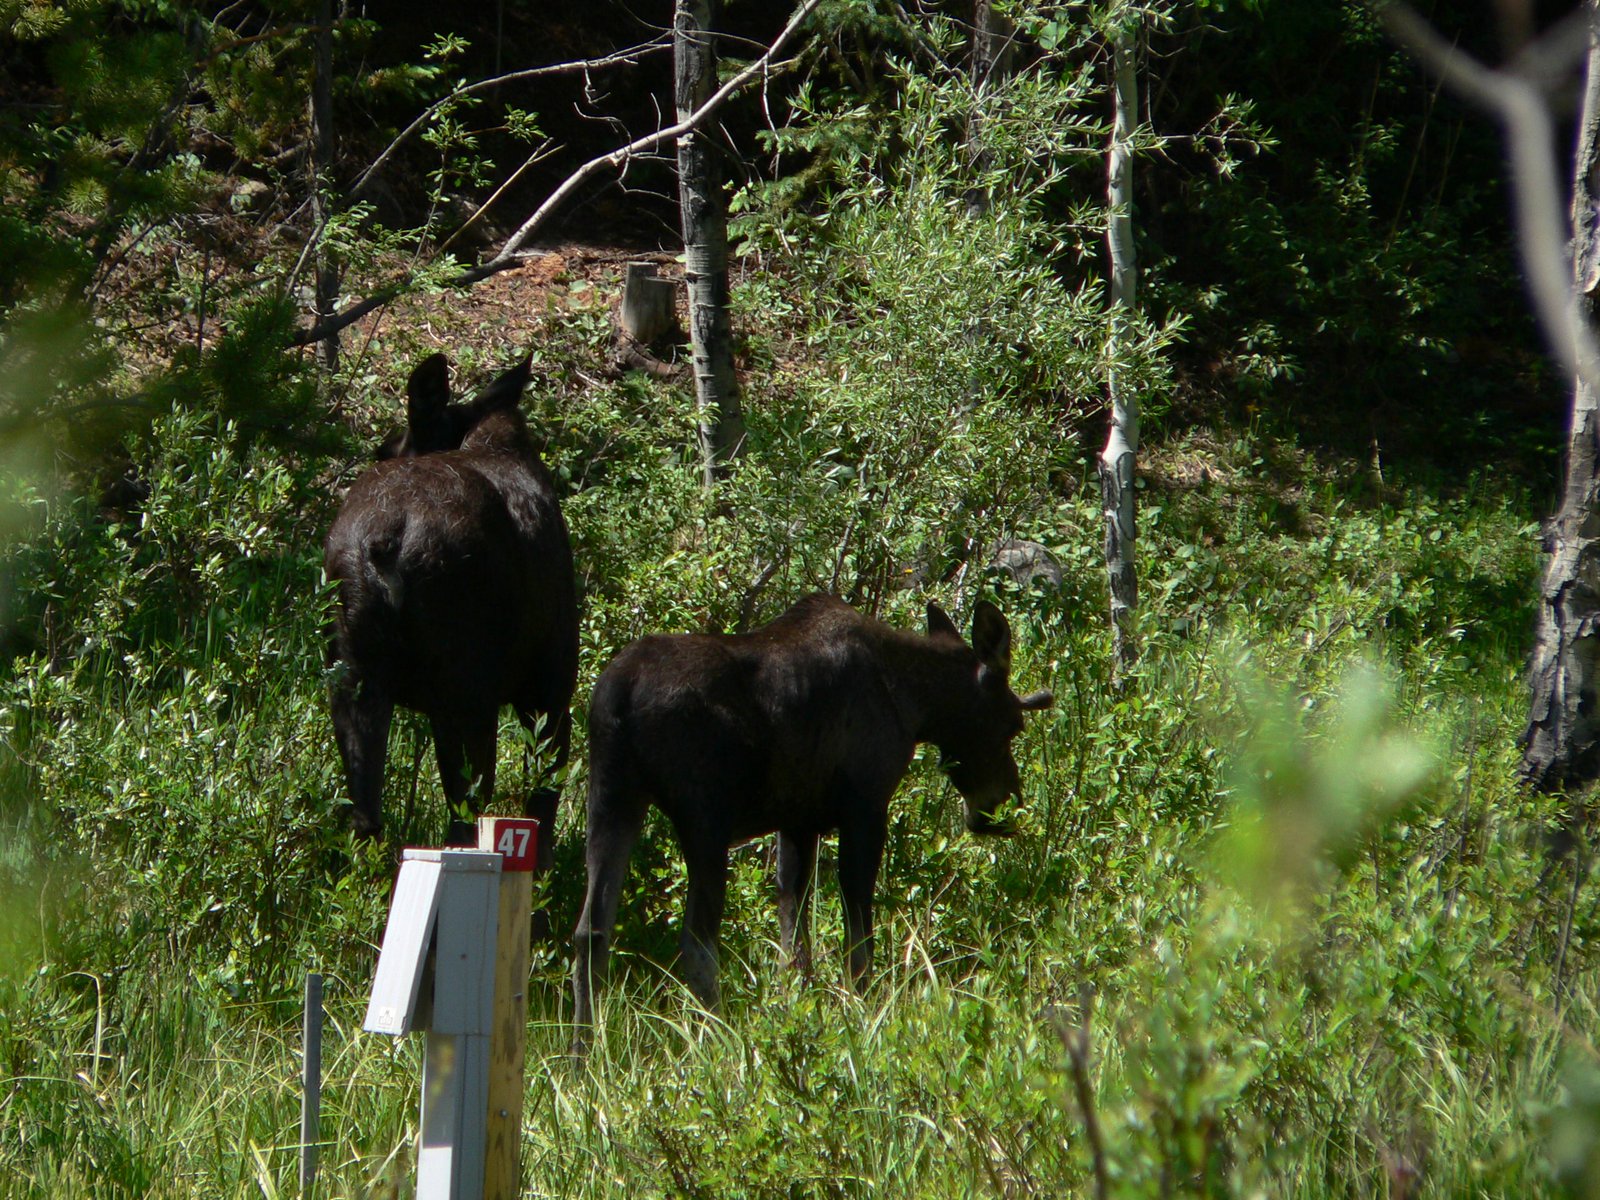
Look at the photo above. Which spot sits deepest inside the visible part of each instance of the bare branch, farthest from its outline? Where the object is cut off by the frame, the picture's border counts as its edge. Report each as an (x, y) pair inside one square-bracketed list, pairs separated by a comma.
[(507, 256), (1514, 95), (617, 158), (628, 57)]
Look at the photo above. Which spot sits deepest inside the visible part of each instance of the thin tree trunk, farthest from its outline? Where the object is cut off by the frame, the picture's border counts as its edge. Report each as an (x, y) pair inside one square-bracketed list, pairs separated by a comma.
[(1122, 443), (993, 38), (326, 294), (705, 243), (1561, 745)]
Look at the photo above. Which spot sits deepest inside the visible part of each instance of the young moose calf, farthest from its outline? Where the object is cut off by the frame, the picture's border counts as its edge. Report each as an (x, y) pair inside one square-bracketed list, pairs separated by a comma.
[(456, 595), (801, 727)]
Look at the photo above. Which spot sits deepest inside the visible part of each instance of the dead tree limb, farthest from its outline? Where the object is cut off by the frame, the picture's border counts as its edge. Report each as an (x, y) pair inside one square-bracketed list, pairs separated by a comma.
[(628, 57)]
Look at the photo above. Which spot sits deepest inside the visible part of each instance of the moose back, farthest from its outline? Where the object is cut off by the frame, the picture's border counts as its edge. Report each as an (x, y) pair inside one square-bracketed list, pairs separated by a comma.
[(804, 726), (455, 596)]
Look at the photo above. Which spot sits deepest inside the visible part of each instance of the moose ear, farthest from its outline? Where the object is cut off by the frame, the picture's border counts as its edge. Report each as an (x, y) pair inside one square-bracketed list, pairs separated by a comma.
[(428, 389), (939, 621), (991, 636), (394, 446), (505, 391)]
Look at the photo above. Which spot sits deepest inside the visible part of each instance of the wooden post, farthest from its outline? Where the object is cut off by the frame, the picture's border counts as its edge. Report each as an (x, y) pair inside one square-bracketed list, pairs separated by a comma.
[(455, 962), (648, 309), (444, 912), (455, 1069), (516, 839)]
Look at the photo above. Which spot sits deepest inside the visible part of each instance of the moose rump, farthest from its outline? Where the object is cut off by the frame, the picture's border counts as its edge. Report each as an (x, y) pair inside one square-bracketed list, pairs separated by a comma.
[(802, 727), (455, 597)]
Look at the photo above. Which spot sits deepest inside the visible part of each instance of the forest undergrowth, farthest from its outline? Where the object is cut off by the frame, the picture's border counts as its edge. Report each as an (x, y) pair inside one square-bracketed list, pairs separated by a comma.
[(1279, 894)]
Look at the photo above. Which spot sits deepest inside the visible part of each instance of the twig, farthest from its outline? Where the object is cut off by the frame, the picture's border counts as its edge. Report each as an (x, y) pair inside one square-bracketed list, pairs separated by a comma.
[(629, 57), (538, 156)]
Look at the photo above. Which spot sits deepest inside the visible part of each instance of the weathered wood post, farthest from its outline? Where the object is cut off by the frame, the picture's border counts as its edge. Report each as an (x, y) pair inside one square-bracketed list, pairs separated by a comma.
[(516, 840), (648, 303)]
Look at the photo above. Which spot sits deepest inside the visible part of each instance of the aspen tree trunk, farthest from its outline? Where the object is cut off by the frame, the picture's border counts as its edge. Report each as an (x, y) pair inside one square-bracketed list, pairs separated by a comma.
[(1122, 444), (705, 243), (326, 294), (1561, 745)]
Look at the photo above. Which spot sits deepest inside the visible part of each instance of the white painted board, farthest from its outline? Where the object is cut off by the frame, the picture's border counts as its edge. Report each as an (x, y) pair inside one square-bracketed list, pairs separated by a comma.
[(392, 1006)]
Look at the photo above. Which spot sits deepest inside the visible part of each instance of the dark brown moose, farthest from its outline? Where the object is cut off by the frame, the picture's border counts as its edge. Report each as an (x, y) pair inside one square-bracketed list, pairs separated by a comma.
[(455, 596), (804, 726)]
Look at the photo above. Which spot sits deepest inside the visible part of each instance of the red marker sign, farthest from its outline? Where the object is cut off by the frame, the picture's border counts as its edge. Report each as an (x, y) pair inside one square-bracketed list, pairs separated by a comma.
[(515, 838)]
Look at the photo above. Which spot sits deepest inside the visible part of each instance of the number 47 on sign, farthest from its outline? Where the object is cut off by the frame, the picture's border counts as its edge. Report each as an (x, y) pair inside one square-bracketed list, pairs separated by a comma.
[(516, 839)]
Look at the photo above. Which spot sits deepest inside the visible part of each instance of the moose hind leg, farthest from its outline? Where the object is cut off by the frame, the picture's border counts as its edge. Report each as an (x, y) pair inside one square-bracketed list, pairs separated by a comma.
[(797, 861), (614, 825), (464, 747), (362, 714)]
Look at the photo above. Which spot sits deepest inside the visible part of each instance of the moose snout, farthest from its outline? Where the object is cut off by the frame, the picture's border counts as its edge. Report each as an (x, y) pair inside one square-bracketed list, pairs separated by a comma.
[(986, 824)]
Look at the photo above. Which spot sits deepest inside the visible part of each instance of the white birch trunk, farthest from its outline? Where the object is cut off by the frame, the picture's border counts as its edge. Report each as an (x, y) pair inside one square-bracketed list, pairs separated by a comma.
[(1122, 443), (1561, 745), (705, 244)]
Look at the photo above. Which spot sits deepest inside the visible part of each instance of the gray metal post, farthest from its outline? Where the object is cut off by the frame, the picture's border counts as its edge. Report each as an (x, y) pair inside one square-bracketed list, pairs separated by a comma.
[(311, 1094)]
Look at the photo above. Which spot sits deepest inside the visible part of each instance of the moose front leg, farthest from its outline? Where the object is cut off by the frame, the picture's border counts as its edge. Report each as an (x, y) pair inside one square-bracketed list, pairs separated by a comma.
[(860, 852), (797, 861)]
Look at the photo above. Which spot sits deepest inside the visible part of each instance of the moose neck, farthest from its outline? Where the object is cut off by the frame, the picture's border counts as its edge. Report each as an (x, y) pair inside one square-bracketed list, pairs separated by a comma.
[(930, 679)]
